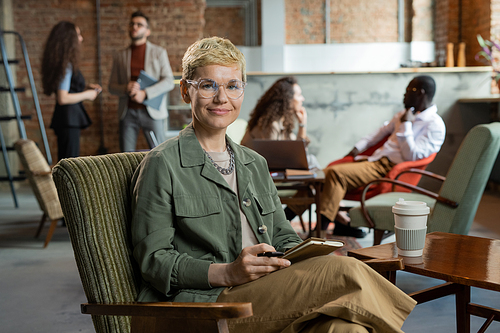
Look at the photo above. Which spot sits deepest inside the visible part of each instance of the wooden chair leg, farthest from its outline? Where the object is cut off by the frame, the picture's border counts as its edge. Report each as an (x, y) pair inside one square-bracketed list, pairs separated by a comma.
[(310, 217), (386, 267), (40, 226), (378, 236), (302, 223), (53, 226)]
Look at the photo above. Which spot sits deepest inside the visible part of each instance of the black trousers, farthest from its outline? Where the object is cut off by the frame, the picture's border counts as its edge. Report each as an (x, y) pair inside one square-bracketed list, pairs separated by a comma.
[(68, 142)]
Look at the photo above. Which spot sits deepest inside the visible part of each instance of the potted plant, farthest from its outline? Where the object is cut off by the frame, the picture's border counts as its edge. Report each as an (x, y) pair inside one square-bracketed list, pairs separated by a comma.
[(489, 54)]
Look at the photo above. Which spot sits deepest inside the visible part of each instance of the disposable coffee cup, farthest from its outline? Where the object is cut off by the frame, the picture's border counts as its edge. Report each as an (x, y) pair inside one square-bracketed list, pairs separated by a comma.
[(410, 226)]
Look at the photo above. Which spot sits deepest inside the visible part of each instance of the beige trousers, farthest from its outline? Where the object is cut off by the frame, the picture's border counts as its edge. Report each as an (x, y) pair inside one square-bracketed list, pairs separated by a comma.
[(321, 295), (341, 178)]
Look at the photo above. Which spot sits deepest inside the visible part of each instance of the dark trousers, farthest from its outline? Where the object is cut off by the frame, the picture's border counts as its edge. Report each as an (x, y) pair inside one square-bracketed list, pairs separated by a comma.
[(68, 142)]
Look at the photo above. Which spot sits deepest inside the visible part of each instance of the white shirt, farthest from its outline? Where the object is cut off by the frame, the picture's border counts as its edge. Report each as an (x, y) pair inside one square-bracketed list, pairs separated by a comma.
[(408, 141)]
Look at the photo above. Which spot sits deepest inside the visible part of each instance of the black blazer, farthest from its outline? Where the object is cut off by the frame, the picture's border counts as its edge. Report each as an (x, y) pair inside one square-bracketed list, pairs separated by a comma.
[(72, 115)]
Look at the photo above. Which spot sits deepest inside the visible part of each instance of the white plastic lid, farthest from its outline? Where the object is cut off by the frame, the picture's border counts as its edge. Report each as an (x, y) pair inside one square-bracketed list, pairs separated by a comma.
[(403, 207)]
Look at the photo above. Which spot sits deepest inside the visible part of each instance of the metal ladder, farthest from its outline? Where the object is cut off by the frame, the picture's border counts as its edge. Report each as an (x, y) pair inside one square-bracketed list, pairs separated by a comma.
[(17, 108)]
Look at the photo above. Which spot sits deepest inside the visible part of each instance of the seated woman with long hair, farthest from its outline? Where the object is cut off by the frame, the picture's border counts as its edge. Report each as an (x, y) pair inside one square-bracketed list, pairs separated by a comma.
[(276, 114), (204, 207)]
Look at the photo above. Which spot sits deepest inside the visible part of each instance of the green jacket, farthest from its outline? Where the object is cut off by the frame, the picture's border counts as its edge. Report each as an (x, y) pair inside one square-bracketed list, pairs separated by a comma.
[(185, 217)]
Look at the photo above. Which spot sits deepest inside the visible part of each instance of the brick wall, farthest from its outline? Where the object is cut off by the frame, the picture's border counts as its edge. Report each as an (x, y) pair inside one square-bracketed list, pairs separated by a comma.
[(441, 31), (351, 21), (477, 19), (227, 22), (175, 24), (364, 21), (304, 21), (453, 25)]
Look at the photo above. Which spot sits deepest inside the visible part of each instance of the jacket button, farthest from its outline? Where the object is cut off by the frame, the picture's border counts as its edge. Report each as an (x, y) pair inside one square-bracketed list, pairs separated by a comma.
[(247, 202), (262, 229)]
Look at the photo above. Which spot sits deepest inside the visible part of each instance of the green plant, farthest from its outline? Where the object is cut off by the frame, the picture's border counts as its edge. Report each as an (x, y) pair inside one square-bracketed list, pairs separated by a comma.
[(489, 54)]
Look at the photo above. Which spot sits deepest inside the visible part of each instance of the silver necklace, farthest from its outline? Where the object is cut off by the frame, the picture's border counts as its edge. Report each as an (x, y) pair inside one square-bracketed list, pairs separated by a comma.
[(222, 170)]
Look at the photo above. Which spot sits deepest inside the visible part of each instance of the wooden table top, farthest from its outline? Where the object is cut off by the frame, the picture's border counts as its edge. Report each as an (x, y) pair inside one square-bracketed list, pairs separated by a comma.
[(466, 260), (318, 177)]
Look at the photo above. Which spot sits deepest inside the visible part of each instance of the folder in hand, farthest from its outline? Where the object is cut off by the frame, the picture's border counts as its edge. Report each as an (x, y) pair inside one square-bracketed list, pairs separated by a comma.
[(145, 80)]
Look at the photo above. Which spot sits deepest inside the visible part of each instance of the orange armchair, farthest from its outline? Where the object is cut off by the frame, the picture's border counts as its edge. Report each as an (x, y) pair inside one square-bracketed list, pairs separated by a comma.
[(409, 178)]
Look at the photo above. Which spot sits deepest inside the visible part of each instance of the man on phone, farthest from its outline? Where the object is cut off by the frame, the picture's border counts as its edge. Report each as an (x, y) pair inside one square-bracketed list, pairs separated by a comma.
[(133, 111), (414, 133)]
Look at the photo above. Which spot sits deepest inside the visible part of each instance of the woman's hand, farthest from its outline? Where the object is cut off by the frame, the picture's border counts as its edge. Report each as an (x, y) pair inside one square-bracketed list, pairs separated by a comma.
[(247, 267), (91, 94), (301, 116), (64, 97), (96, 87)]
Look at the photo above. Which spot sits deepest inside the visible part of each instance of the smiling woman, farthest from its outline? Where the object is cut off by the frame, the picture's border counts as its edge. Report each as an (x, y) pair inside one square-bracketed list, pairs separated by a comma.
[(203, 208), (213, 108)]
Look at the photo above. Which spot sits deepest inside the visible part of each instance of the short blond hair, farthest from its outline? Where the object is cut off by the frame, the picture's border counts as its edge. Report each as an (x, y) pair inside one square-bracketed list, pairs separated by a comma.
[(212, 51)]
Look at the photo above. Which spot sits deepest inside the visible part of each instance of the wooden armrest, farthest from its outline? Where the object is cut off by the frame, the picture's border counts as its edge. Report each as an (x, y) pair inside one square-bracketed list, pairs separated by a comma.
[(414, 188), (384, 265), (177, 310), (422, 172), (160, 317)]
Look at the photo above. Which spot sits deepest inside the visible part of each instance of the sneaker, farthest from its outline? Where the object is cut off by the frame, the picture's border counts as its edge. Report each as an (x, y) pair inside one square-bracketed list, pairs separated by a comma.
[(345, 230)]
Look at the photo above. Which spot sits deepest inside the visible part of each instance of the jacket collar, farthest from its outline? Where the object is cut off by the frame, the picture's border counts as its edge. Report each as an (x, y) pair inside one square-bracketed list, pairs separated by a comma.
[(192, 154)]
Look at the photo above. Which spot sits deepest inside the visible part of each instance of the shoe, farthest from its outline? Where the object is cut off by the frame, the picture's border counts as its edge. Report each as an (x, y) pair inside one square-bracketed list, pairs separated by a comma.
[(344, 230), (325, 222)]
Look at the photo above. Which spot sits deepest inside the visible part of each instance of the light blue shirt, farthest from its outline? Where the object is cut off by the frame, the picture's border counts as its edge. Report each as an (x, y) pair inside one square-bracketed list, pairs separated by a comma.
[(66, 81)]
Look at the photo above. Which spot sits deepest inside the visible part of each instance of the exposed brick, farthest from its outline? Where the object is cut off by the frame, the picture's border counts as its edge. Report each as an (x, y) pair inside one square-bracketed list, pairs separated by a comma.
[(174, 25)]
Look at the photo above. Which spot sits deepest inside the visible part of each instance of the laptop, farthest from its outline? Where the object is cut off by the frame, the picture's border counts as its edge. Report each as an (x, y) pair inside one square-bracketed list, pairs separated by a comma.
[(283, 154)]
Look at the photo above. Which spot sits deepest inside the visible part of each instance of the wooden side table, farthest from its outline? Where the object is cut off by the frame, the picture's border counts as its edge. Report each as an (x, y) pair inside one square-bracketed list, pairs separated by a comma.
[(315, 182), (462, 261)]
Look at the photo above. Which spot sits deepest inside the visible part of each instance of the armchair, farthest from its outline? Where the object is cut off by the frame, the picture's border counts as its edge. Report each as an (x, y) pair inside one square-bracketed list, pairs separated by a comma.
[(454, 207), (39, 175), (95, 198), (399, 170)]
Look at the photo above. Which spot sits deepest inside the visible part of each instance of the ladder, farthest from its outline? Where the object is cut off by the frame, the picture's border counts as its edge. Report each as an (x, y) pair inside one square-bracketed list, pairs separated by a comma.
[(18, 117)]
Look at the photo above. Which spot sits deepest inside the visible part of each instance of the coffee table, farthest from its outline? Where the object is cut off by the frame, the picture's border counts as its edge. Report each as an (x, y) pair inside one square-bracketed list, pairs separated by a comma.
[(462, 261)]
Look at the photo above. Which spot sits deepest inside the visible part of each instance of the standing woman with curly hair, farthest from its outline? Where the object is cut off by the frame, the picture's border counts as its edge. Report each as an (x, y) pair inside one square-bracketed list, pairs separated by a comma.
[(276, 112), (61, 75)]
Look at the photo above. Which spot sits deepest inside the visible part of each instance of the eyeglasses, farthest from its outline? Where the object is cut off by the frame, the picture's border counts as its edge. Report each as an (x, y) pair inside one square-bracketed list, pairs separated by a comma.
[(208, 88)]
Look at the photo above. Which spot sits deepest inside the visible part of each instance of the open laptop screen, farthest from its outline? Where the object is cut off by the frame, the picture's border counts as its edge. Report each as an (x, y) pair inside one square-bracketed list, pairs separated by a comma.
[(282, 154)]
